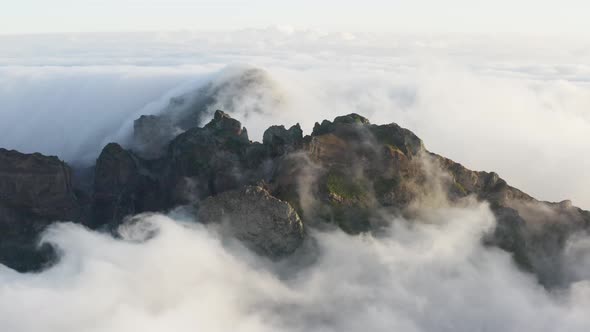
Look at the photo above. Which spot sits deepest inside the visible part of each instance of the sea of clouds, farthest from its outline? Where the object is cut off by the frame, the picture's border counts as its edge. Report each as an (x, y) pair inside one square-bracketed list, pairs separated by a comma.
[(518, 106), (430, 273)]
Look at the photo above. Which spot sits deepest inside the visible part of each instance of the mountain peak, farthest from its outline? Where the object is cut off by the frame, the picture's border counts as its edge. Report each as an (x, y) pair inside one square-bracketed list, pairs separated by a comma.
[(348, 173)]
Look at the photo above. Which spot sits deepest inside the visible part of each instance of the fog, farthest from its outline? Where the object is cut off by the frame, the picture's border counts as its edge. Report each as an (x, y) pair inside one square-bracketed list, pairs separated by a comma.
[(517, 106), (427, 274)]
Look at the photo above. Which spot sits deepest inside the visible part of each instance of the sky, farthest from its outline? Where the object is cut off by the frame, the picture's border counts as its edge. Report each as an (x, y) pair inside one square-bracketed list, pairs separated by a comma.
[(430, 16)]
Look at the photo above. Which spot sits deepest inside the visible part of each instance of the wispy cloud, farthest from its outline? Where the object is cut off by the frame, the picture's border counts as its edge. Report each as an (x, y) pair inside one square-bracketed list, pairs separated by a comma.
[(514, 105)]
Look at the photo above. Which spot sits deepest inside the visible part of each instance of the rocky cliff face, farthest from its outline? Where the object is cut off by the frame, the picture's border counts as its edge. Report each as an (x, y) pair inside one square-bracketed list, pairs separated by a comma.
[(35, 190), (348, 173), (124, 185), (265, 223)]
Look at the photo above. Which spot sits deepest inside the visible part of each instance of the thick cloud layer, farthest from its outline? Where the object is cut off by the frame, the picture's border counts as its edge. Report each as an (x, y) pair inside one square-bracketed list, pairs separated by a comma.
[(73, 112), (428, 274), (518, 106)]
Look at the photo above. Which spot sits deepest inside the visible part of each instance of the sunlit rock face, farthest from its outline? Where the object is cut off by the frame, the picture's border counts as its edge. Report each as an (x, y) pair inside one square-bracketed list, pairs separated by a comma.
[(268, 225), (348, 174), (281, 140)]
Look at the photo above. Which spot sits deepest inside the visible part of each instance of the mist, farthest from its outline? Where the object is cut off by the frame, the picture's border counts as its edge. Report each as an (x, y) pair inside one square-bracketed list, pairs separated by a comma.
[(512, 102), (167, 272)]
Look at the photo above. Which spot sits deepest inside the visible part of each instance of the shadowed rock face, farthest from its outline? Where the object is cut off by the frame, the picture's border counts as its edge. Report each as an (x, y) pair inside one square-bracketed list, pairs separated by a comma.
[(265, 223), (348, 173), (280, 140), (210, 160), (35, 190), (124, 185), (36, 183)]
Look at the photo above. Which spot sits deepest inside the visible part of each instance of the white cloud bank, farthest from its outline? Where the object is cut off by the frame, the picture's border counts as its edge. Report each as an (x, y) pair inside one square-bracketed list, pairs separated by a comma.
[(432, 274)]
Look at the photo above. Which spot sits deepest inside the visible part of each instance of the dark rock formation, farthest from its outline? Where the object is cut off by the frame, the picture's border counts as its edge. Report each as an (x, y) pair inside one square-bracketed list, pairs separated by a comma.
[(198, 163), (210, 160), (280, 140), (228, 91), (124, 185), (35, 190), (348, 173), (265, 223)]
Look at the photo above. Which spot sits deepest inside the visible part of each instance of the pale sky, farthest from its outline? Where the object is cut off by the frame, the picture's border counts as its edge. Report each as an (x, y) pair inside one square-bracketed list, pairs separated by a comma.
[(431, 16)]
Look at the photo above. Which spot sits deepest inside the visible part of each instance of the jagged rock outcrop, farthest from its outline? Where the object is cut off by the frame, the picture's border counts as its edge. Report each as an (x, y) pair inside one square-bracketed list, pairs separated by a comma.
[(235, 88), (534, 232), (35, 191), (348, 173), (198, 163), (280, 140), (263, 222), (213, 159), (124, 185), (359, 168)]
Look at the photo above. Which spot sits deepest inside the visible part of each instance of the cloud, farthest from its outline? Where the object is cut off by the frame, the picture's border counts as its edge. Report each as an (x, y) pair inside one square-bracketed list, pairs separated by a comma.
[(70, 111), (427, 274), (518, 106)]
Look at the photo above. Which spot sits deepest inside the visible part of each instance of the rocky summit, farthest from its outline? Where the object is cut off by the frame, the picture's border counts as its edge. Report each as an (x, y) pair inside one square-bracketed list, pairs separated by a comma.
[(348, 174)]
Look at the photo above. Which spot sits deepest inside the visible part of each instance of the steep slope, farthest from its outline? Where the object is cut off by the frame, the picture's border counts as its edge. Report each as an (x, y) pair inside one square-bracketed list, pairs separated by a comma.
[(35, 190)]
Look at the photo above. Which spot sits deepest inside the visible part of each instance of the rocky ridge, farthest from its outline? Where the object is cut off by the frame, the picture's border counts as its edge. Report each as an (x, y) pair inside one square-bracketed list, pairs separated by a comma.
[(348, 173), (268, 225)]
